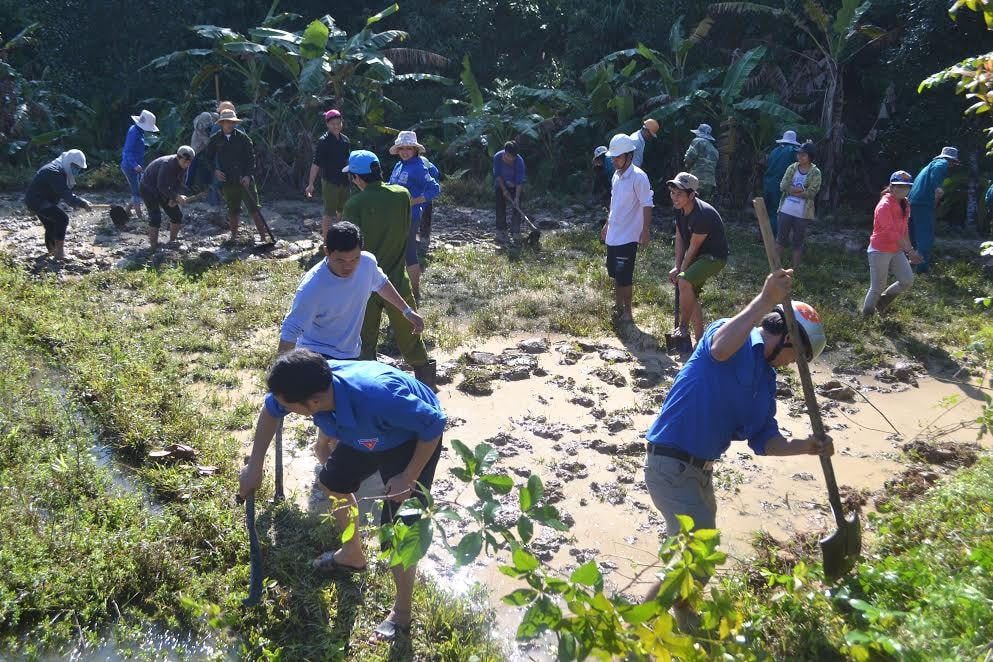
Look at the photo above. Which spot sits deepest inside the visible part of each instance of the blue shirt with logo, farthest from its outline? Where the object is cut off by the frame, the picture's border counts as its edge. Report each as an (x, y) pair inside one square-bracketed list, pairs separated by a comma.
[(714, 402), (415, 176), (377, 407)]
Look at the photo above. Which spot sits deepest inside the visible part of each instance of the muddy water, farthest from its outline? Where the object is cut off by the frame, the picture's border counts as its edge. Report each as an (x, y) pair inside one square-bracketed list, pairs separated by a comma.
[(556, 426)]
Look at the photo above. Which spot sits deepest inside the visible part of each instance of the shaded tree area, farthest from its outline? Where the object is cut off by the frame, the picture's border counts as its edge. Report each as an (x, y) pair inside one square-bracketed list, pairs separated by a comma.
[(561, 76)]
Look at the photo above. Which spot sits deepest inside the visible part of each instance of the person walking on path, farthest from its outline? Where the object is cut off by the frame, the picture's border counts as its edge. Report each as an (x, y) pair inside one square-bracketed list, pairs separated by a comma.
[(330, 303), (701, 160), (382, 213), (726, 391), (330, 156), (133, 155), (52, 183), (800, 184), (924, 196), (779, 159), (603, 175), (889, 247), (701, 250), (627, 224), (160, 189), (233, 155), (382, 420), (412, 173), (509, 176), (424, 233), (648, 132)]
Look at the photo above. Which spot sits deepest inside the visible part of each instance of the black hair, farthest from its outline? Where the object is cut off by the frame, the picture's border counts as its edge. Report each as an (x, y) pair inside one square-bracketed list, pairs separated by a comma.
[(299, 375), (375, 176), (343, 236), (510, 147), (809, 149), (775, 323)]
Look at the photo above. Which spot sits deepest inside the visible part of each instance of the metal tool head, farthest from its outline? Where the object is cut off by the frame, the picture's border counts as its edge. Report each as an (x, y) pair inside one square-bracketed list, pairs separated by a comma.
[(119, 216), (841, 550), (681, 344)]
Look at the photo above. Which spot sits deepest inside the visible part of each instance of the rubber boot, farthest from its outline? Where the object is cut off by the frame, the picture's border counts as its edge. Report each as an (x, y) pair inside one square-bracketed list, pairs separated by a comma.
[(884, 302), (427, 374)]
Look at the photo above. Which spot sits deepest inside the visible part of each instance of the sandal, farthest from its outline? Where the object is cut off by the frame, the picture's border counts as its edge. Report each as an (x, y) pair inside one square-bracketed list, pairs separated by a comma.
[(388, 631), (327, 564)]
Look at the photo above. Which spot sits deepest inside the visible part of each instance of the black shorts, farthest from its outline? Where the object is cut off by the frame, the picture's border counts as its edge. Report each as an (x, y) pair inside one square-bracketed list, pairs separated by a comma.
[(345, 470), (620, 263), (155, 206)]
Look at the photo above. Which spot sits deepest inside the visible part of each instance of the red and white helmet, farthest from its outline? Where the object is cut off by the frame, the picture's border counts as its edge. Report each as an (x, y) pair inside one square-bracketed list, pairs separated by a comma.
[(810, 326)]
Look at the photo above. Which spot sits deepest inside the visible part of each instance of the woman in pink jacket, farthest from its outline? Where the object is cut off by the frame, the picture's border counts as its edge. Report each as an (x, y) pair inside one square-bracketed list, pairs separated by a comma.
[(889, 247)]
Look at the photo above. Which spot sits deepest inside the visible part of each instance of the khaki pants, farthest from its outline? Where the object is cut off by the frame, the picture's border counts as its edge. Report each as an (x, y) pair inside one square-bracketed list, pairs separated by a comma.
[(678, 488), (411, 346)]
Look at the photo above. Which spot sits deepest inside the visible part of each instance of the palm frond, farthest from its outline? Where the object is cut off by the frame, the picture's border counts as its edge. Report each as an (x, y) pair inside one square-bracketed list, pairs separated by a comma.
[(413, 57), (742, 8)]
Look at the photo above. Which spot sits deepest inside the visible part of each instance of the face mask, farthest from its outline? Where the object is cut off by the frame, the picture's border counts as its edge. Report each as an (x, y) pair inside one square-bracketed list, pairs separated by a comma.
[(75, 169)]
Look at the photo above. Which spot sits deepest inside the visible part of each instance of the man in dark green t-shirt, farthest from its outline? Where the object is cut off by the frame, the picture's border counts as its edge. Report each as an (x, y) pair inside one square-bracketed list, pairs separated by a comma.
[(382, 213)]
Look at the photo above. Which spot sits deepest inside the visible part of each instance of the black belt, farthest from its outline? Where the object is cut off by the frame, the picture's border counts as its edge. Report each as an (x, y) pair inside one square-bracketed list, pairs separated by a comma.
[(669, 451)]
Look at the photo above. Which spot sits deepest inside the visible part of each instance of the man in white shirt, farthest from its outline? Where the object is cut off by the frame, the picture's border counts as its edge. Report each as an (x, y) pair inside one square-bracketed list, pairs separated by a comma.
[(329, 306), (628, 224)]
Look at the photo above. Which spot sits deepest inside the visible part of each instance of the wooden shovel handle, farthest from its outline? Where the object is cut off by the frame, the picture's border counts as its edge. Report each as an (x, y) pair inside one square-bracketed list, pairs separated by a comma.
[(809, 396)]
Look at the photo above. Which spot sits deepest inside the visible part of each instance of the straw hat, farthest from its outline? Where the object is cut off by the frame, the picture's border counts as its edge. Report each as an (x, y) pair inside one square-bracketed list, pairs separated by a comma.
[(227, 116), (146, 121), (406, 139)]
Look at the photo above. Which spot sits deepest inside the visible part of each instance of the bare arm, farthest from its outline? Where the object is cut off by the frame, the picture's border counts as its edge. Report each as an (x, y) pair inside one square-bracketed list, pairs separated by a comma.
[(646, 225), (251, 475), (696, 240), (284, 346), (810, 446), (392, 297), (399, 487), (732, 335)]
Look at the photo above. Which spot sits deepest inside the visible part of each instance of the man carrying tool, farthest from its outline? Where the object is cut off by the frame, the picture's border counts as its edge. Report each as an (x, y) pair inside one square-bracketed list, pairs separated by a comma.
[(648, 132), (383, 420), (382, 213), (159, 190), (701, 159), (233, 155), (330, 304), (701, 250), (627, 224), (330, 156), (509, 176), (727, 391)]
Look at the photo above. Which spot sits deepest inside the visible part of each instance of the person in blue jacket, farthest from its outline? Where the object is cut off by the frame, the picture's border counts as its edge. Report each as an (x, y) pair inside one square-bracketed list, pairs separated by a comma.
[(779, 159), (924, 195), (412, 174), (424, 235), (133, 155)]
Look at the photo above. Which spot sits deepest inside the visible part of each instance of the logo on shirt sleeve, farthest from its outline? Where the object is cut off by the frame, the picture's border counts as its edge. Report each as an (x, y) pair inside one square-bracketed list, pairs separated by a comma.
[(369, 444)]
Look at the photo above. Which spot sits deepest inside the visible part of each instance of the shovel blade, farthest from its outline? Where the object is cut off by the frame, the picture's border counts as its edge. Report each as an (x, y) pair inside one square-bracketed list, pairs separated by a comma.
[(534, 237), (841, 549), (679, 344), (118, 216)]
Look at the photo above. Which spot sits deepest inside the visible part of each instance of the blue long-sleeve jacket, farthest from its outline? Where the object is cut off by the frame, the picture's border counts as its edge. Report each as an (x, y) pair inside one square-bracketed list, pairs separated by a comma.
[(414, 176), (133, 153), (927, 181)]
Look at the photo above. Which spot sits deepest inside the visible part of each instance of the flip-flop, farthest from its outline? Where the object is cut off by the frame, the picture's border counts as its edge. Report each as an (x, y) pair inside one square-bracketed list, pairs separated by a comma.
[(327, 564), (388, 630)]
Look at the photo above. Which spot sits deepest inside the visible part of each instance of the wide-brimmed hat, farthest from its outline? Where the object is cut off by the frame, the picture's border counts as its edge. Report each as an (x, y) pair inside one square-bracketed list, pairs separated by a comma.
[(685, 181), (789, 138), (901, 178), (227, 116), (360, 162), (406, 139), (950, 153), (703, 131), (146, 121)]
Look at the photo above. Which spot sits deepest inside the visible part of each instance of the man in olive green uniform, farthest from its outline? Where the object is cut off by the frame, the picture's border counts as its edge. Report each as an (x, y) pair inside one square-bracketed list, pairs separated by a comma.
[(231, 153), (701, 160), (382, 213)]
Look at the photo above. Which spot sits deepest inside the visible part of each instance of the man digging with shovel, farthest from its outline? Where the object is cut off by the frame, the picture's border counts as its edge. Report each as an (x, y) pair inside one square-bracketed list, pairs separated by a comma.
[(727, 391)]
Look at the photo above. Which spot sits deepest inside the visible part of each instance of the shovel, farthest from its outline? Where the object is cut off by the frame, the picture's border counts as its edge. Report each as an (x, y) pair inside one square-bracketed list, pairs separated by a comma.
[(535, 235), (255, 554), (118, 214), (842, 548), (258, 210), (681, 344), (278, 492)]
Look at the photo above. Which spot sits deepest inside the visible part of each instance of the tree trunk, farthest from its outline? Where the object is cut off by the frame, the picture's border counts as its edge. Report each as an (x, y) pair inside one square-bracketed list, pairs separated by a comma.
[(834, 131), (972, 199)]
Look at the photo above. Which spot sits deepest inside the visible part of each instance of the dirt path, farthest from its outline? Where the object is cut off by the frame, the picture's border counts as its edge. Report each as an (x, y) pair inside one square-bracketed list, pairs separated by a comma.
[(555, 414)]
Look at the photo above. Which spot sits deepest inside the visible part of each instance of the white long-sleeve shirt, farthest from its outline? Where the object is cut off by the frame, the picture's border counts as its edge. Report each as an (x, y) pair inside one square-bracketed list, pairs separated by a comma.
[(328, 310)]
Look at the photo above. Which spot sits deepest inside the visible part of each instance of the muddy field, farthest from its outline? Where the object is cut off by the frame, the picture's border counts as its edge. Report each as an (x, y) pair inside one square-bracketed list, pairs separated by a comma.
[(575, 411)]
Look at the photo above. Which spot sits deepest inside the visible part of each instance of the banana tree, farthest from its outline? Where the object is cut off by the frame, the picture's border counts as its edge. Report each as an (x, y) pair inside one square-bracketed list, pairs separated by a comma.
[(834, 42)]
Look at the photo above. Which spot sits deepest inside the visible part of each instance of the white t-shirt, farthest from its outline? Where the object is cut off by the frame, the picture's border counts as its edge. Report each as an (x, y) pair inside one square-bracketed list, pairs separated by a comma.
[(328, 310), (795, 205), (630, 193)]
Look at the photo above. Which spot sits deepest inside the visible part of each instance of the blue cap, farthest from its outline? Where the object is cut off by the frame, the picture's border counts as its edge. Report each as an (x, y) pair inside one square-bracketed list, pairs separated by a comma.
[(901, 177), (360, 162)]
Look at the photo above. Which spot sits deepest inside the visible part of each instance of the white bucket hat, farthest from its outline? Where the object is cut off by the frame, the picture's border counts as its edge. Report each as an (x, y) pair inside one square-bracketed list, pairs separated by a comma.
[(406, 139), (146, 121), (703, 131), (951, 153), (598, 152), (789, 138)]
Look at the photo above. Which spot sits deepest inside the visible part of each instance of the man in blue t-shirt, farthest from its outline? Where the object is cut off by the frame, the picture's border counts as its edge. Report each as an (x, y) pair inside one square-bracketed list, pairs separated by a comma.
[(509, 175), (382, 420)]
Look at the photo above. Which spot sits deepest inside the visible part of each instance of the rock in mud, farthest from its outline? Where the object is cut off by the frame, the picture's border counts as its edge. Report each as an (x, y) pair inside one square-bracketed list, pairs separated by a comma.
[(516, 374), (614, 356), (837, 391), (446, 372), (476, 382), (570, 357), (784, 391), (945, 454), (609, 376), (583, 401), (604, 447), (803, 475), (618, 422), (571, 470), (481, 358), (612, 493), (533, 345), (586, 346)]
